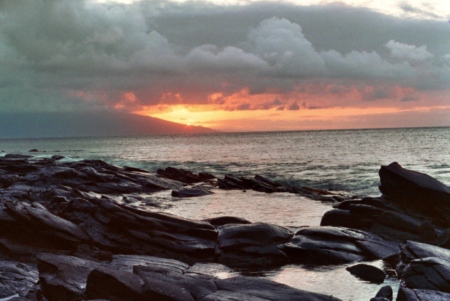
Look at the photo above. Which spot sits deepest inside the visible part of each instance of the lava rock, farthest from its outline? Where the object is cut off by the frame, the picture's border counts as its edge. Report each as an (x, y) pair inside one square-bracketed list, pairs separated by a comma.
[(384, 294), (416, 190), (367, 272), (191, 192), (225, 220), (406, 294), (257, 244), (16, 277), (335, 245)]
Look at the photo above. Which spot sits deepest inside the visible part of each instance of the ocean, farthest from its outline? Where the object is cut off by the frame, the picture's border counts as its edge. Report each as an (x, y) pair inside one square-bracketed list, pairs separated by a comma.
[(338, 160), (345, 161)]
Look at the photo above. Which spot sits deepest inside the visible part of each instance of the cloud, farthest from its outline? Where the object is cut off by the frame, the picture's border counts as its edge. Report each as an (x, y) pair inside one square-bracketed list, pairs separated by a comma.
[(79, 55), (410, 9), (408, 52)]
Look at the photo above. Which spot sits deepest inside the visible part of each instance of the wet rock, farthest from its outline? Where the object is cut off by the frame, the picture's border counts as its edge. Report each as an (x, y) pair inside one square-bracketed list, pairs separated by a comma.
[(415, 250), (414, 206), (428, 273), (121, 229), (424, 269), (263, 184), (104, 283), (378, 215), (418, 191), (229, 182), (151, 278), (224, 220), (178, 285), (63, 278), (182, 175), (261, 289), (44, 226), (384, 294), (367, 272), (16, 277), (334, 245), (256, 244), (191, 192), (406, 294)]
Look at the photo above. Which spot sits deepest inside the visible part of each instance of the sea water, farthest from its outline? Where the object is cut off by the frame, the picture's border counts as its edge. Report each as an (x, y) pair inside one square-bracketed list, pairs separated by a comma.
[(345, 161)]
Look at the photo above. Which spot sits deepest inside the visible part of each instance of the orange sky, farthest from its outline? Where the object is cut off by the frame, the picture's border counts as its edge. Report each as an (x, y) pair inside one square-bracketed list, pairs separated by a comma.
[(245, 112)]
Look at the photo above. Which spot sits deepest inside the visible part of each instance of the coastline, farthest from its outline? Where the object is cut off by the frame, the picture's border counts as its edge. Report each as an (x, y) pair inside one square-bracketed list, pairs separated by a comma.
[(66, 222)]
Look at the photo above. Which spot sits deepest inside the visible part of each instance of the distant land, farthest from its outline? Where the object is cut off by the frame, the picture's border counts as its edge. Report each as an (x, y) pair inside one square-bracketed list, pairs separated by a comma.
[(88, 124)]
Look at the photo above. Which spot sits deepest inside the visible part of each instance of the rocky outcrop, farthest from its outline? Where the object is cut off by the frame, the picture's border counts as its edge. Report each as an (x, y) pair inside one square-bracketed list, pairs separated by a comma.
[(406, 294), (257, 244), (129, 277), (417, 191), (190, 192), (425, 267), (262, 184), (184, 176), (16, 277), (384, 294), (414, 206), (367, 272), (335, 245), (73, 220)]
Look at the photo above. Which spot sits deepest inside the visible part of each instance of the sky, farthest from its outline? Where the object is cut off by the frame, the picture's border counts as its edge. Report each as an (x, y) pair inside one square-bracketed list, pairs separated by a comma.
[(232, 65)]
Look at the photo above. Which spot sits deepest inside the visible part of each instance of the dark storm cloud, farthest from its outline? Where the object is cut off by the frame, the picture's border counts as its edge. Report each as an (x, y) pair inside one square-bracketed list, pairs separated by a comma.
[(55, 52)]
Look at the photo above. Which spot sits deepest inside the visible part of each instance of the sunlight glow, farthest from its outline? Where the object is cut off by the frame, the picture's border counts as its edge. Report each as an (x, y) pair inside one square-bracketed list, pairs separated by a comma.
[(262, 120)]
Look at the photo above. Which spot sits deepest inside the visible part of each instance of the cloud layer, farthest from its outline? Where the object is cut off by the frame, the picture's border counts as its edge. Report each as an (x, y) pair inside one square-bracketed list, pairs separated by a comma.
[(63, 55)]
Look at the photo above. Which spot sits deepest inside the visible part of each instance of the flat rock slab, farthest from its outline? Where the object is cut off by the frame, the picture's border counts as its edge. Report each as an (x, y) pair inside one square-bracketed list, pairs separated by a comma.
[(424, 267), (427, 273), (140, 278), (257, 244), (406, 294), (16, 277), (335, 245), (414, 250)]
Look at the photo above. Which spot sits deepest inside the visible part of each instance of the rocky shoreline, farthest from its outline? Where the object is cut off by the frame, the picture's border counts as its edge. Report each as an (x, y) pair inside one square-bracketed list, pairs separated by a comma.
[(67, 233)]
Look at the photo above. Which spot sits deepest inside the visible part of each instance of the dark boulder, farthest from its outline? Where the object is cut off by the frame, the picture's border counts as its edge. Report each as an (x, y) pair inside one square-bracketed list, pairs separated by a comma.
[(419, 191), (104, 283), (367, 272), (63, 278), (415, 250), (334, 245), (150, 278), (427, 273), (383, 217), (257, 244), (163, 284), (406, 294), (224, 220), (384, 294)]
